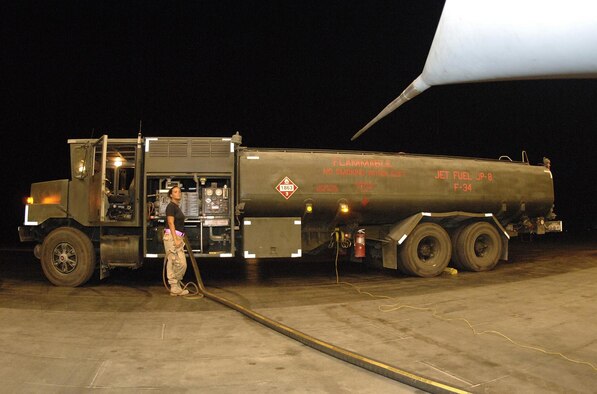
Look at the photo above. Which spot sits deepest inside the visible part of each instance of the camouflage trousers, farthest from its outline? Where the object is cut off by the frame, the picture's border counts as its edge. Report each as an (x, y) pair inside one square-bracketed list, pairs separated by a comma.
[(176, 264)]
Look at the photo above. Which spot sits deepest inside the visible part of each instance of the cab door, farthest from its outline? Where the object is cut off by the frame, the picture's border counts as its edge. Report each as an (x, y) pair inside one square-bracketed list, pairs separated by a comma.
[(98, 198), (117, 183)]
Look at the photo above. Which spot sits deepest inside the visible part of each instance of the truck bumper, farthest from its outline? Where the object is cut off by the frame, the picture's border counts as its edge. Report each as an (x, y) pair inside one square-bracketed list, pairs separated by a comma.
[(554, 226), (26, 233)]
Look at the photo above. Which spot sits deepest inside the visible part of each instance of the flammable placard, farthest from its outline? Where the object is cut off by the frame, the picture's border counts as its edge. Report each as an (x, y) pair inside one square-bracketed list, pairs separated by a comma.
[(286, 187)]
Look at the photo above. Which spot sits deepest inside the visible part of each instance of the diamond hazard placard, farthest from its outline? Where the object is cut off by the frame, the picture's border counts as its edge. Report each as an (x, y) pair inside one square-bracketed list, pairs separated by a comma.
[(286, 187)]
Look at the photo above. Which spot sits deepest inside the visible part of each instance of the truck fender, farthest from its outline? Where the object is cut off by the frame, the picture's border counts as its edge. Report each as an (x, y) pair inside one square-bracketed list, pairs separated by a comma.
[(400, 231)]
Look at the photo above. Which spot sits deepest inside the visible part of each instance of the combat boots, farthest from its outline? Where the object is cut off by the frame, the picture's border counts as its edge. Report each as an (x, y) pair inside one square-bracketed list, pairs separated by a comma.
[(176, 290)]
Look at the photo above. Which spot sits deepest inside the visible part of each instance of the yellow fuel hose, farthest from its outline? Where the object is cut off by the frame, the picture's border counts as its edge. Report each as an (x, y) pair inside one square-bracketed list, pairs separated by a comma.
[(359, 360)]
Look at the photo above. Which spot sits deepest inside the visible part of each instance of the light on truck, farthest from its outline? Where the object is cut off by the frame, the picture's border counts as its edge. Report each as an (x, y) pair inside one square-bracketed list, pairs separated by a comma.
[(308, 207), (51, 199), (343, 207), (29, 200), (80, 173)]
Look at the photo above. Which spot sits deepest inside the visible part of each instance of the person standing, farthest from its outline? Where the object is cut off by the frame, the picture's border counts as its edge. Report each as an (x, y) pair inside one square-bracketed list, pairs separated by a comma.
[(176, 264)]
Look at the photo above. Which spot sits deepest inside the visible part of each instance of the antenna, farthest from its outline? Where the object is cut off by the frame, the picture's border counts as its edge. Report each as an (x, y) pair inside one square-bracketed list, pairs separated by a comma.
[(139, 134)]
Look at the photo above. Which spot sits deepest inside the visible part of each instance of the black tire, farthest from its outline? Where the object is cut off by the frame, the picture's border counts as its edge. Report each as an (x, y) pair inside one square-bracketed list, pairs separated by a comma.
[(67, 257), (456, 263), (427, 250), (478, 247), (403, 269)]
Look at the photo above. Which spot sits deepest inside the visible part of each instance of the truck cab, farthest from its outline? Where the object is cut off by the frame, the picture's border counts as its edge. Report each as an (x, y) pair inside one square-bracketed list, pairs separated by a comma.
[(111, 213)]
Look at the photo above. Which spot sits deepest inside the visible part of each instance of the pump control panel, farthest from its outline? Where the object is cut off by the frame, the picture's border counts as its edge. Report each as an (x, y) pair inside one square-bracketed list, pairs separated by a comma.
[(216, 200)]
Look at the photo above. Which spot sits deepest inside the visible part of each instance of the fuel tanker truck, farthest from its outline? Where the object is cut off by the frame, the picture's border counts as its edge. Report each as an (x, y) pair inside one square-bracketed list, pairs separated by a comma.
[(413, 213)]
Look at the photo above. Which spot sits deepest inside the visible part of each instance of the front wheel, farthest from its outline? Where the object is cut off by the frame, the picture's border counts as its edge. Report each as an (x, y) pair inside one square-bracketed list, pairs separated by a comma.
[(67, 257), (427, 250)]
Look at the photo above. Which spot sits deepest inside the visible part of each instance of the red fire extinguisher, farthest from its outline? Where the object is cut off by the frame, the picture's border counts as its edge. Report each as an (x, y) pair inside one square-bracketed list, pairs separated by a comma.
[(359, 243)]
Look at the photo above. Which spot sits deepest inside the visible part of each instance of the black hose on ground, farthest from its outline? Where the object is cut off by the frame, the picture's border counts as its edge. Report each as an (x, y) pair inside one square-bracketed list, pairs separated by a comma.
[(359, 360)]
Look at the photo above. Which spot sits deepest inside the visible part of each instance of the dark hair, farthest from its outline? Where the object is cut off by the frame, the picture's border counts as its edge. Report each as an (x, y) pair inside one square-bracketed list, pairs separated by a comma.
[(170, 191)]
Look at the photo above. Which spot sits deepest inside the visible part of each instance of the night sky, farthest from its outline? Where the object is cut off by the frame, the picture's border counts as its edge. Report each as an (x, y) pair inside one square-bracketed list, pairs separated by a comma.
[(304, 74)]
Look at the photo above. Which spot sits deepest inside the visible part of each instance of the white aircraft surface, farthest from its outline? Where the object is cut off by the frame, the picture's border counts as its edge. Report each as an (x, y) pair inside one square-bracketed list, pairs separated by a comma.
[(482, 40)]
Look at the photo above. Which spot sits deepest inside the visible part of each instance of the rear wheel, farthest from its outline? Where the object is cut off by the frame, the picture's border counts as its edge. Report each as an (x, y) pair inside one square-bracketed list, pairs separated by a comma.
[(454, 235), (403, 268), (67, 257), (478, 247), (427, 250)]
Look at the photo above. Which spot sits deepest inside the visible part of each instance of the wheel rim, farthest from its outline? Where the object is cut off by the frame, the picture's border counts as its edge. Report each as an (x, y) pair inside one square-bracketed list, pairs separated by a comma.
[(427, 249), (483, 246), (64, 258)]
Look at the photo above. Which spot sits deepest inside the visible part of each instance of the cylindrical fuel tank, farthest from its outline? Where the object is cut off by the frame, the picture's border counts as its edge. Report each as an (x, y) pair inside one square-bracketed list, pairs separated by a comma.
[(382, 188)]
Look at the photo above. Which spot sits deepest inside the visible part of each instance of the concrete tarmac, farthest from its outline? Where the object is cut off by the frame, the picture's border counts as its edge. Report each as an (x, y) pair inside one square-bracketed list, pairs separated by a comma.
[(527, 326)]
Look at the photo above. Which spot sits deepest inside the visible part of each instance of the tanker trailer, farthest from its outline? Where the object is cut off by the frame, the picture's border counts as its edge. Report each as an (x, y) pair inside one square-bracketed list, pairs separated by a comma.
[(417, 212), (414, 213)]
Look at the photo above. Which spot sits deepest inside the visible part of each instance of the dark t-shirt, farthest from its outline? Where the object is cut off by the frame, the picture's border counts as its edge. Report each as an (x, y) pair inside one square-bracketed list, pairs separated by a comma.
[(175, 211)]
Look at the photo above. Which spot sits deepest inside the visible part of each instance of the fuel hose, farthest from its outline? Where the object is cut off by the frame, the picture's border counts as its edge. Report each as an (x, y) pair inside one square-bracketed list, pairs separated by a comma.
[(340, 353)]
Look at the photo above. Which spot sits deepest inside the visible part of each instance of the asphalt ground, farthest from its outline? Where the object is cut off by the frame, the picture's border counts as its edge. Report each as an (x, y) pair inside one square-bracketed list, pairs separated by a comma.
[(527, 326)]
